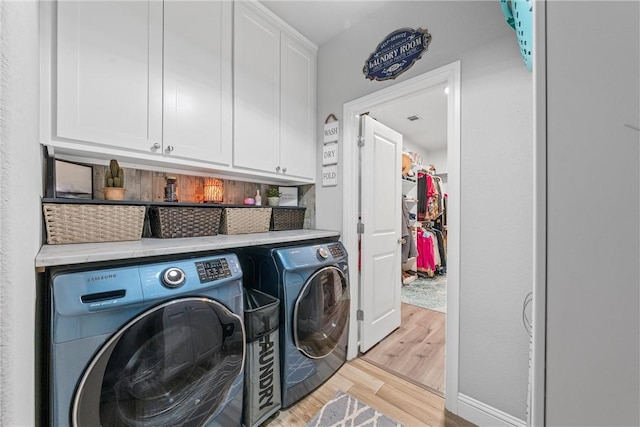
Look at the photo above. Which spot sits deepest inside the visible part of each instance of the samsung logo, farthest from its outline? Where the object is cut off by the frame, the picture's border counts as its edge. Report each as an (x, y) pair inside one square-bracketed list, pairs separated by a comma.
[(99, 278)]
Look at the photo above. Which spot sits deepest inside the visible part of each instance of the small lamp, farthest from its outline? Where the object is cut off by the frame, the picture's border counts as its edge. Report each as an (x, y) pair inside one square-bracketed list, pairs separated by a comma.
[(213, 190)]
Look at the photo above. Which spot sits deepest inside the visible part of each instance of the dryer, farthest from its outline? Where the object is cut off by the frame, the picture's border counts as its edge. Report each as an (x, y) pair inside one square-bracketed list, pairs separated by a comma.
[(312, 284), (159, 344)]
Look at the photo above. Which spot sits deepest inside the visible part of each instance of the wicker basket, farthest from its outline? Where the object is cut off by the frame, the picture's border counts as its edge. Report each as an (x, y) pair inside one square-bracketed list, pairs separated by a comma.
[(245, 220), (85, 223), (287, 219), (170, 221)]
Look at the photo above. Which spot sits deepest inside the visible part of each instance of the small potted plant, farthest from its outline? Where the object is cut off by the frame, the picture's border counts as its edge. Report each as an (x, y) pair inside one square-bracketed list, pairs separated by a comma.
[(273, 196), (114, 182)]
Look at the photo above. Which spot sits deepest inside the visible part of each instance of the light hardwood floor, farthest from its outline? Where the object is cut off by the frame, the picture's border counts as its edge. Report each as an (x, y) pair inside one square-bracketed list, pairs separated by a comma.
[(391, 395), (414, 351)]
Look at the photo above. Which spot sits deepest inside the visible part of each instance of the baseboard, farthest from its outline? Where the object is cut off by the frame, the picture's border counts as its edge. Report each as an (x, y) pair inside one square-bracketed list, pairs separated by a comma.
[(484, 415)]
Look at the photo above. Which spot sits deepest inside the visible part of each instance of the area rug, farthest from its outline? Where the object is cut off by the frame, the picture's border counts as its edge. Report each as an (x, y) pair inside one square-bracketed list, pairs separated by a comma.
[(428, 293), (345, 410)]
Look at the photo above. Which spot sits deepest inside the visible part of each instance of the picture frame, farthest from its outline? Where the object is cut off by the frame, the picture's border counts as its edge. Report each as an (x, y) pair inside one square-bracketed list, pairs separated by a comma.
[(73, 180)]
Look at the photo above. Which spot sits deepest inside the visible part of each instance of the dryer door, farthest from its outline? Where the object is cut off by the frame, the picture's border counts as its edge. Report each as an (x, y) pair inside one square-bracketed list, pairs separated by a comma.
[(174, 364), (321, 313)]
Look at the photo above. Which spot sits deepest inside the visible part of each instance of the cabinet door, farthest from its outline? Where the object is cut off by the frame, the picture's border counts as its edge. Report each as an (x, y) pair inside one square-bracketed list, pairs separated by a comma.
[(197, 80), (109, 76), (297, 109), (256, 91)]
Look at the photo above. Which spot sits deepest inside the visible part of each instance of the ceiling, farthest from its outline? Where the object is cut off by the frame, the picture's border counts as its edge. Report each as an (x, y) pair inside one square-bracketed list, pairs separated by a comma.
[(320, 21), (430, 130)]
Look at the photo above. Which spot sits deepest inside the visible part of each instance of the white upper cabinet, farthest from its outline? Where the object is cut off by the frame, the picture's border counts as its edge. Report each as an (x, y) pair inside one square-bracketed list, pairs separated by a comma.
[(147, 76), (256, 97), (274, 97), (217, 86), (297, 109), (109, 75), (197, 110)]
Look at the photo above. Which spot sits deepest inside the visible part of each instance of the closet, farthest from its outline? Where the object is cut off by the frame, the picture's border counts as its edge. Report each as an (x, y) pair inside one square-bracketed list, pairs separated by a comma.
[(410, 216), (424, 210), (431, 239)]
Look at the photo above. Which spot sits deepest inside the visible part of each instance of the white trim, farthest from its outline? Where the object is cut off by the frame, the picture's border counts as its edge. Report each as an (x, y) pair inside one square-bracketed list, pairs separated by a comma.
[(452, 343), (537, 409), (451, 75), (47, 31), (484, 415), (281, 24)]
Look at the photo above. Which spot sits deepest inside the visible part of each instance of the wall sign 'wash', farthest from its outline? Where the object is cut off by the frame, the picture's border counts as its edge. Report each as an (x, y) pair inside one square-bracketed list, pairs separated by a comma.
[(396, 53)]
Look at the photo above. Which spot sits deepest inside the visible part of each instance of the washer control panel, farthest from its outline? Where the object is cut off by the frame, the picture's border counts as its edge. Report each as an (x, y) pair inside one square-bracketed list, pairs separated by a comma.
[(213, 269), (336, 251)]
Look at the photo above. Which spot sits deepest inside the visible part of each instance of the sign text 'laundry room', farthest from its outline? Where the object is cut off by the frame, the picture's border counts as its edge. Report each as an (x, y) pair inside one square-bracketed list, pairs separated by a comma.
[(396, 53)]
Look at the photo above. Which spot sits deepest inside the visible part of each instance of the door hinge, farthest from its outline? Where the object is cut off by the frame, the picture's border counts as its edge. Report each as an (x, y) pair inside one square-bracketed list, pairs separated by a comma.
[(360, 228), (359, 315), (361, 141)]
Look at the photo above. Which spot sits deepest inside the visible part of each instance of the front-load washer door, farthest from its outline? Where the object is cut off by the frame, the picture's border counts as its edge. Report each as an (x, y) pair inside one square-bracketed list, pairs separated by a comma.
[(173, 365), (321, 313)]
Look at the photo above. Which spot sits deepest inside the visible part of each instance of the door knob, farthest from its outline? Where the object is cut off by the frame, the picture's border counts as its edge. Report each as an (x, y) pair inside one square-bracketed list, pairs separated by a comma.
[(402, 240)]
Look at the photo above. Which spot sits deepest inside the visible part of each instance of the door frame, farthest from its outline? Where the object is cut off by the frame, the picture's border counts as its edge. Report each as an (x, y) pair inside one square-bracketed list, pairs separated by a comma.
[(537, 375), (352, 110)]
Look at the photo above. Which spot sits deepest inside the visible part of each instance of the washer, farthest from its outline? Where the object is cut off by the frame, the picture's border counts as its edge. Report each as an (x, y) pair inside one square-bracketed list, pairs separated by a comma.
[(159, 344), (312, 283)]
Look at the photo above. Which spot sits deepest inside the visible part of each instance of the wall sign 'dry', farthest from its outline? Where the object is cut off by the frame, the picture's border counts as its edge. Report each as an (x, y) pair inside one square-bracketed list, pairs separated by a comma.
[(396, 53)]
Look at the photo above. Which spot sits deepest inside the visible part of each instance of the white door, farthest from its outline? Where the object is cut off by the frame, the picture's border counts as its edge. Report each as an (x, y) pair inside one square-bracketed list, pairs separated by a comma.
[(109, 73), (381, 195), (197, 105)]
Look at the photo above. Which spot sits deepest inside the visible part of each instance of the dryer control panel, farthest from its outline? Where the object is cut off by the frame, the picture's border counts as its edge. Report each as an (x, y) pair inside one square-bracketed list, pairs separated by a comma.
[(213, 269)]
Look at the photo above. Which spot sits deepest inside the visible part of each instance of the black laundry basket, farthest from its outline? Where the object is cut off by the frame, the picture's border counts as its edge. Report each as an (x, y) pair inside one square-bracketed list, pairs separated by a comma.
[(262, 394)]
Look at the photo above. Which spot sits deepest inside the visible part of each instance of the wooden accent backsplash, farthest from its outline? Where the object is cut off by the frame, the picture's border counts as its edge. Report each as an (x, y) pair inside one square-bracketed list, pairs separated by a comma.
[(149, 186)]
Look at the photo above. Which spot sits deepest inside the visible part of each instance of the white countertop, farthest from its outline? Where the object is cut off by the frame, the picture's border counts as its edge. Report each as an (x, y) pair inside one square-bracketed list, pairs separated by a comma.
[(54, 255)]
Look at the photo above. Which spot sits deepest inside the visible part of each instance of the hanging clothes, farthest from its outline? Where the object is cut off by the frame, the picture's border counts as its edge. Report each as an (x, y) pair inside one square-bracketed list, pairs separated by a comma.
[(430, 197), (409, 249), (441, 246), (432, 251), (426, 258), (422, 196)]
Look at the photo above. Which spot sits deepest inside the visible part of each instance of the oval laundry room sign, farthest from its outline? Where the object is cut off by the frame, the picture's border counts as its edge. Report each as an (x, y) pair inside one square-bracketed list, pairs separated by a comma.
[(396, 53)]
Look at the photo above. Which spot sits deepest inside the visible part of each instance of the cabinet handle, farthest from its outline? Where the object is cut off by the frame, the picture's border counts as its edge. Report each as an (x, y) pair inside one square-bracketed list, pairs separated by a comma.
[(277, 168), (169, 148), (155, 146), (284, 170)]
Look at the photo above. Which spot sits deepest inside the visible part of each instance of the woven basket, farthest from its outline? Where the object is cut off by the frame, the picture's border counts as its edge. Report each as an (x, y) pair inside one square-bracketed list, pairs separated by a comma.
[(78, 223), (169, 222), (245, 220), (287, 219)]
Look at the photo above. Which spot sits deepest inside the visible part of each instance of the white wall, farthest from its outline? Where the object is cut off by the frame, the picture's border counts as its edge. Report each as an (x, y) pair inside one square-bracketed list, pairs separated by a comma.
[(496, 181), (408, 145), (455, 27), (593, 313), (496, 226), (20, 223), (438, 158)]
